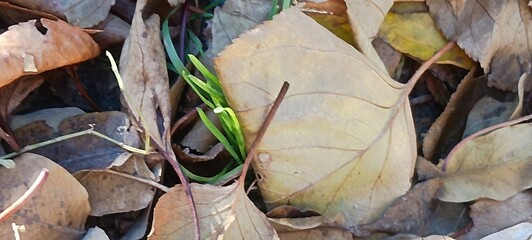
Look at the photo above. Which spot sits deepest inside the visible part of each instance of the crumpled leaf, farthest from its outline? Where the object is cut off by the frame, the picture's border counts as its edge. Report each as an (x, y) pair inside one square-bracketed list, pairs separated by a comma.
[(491, 216), (143, 70), (366, 17), (32, 47), (82, 13), (496, 165), (223, 212), (57, 211), (495, 33), (343, 135)]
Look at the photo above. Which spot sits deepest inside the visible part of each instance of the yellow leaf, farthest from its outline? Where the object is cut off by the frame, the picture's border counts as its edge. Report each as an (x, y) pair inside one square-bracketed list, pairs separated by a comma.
[(342, 142)]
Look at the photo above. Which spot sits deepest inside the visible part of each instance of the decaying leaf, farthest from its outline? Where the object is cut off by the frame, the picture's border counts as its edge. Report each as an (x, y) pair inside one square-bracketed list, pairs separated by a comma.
[(496, 165), (57, 211), (223, 212), (491, 216), (342, 142), (36, 46), (82, 13), (143, 70), (495, 33)]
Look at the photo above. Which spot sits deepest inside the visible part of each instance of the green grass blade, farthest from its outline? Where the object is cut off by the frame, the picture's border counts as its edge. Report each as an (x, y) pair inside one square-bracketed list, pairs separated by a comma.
[(218, 135), (169, 46), (196, 41), (274, 9)]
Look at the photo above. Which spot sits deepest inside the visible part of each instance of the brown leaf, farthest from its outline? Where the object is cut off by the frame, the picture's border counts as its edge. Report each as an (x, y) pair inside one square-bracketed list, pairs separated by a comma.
[(344, 134), (496, 165), (308, 228), (12, 94), (224, 213), (110, 193), (32, 47), (495, 33), (57, 211), (86, 13), (492, 216), (143, 70)]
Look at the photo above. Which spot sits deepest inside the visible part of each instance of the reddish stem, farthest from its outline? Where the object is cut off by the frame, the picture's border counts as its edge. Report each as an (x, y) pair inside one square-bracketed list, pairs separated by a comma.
[(37, 184)]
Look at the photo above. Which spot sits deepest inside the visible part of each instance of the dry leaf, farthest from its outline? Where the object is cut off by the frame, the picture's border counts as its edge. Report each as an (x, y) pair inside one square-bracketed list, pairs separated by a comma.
[(342, 142), (115, 31), (415, 34), (491, 216), (496, 165), (522, 231), (495, 33), (110, 193), (308, 228), (57, 211), (366, 17), (223, 212), (82, 13), (486, 113), (84, 152), (12, 94), (143, 70), (36, 46)]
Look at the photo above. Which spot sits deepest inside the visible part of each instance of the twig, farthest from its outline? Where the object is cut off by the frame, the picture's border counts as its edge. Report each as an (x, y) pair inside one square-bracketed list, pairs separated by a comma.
[(139, 179), (262, 130), (37, 184), (413, 80)]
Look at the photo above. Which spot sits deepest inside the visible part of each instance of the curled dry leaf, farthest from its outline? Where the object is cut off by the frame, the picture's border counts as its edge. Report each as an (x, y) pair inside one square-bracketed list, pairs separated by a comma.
[(82, 13), (342, 142), (224, 213), (57, 211), (36, 46), (496, 165), (498, 34)]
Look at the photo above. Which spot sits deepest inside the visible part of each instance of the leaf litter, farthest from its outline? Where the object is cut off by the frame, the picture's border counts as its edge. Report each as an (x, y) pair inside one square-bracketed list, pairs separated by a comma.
[(342, 146)]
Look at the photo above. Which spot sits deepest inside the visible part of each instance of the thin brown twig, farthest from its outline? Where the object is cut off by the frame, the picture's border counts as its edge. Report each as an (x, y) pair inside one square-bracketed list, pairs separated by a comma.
[(186, 117), (37, 184), (262, 131)]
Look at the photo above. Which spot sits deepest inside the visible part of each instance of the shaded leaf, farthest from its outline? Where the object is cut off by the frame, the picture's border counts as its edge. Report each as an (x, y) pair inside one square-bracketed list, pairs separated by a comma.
[(12, 94), (32, 47), (520, 231), (82, 13), (486, 113), (338, 144), (495, 33), (57, 211), (224, 213), (308, 228), (490, 216), (496, 165)]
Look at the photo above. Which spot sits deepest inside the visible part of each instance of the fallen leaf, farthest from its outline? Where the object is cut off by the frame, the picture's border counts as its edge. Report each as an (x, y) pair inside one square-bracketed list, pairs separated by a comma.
[(36, 46), (486, 113), (342, 142), (111, 193), (12, 94), (490, 216), (366, 17), (115, 30), (95, 233), (82, 13), (308, 228), (223, 212), (145, 77), (416, 35), (495, 33), (496, 165), (83, 152), (447, 130), (57, 211), (520, 231)]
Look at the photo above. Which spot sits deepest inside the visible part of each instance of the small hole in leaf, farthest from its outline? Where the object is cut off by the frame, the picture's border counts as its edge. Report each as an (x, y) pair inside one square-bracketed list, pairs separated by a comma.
[(259, 177), (42, 29)]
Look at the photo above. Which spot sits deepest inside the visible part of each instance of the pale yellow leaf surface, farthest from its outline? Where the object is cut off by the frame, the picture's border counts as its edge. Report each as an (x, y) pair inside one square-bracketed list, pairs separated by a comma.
[(143, 70), (342, 142), (82, 13), (223, 212), (497, 34), (496, 165), (308, 228), (57, 211), (27, 48), (366, 16)]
